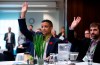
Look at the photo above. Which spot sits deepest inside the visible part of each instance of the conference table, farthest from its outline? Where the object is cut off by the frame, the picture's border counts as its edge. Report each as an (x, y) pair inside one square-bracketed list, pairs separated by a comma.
[(61, 63), (16, 62), (76, 63)]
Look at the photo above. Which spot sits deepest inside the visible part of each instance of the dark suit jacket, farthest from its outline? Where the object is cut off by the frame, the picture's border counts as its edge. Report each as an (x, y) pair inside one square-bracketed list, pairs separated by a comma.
[(12, 37), (84, 45), (60, 34), (52, 46), (53, 43)]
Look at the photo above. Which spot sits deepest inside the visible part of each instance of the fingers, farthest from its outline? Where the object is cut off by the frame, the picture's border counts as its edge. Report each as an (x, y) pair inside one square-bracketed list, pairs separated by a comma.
[(24, 9), (25, 4), (78, 19), (74, 18), (75, 22)]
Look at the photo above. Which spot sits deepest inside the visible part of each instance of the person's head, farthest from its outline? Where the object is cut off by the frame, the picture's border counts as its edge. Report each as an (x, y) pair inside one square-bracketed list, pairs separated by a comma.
[(38, 30), (87, 33), (46, 27), (31, 27), (53, 32), (95, 30), (62, 30), (9, 29), (75, 34)]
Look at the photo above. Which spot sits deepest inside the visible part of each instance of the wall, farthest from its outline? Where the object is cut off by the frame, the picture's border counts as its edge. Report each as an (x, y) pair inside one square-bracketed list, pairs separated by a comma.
[(9, 15), (39, 16), (62, 21), (54, 17)]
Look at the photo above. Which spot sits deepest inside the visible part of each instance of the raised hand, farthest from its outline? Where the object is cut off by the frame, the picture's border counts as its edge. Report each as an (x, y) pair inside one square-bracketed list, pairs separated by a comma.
[(24, 9), (75, 22)]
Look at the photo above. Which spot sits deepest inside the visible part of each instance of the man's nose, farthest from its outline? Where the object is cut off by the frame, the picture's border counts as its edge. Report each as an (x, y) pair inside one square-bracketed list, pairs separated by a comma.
[(92, 31)]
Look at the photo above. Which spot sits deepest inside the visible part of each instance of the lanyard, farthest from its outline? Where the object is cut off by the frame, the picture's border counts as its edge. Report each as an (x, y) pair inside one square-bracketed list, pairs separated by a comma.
[(92, 48)]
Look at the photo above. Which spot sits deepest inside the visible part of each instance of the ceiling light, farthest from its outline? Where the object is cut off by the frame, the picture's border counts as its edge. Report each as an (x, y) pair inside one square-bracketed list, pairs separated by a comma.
[(2, 6)]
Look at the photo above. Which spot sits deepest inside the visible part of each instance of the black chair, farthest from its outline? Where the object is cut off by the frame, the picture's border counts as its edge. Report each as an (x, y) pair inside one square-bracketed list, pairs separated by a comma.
[(8, 56), (2, 57)]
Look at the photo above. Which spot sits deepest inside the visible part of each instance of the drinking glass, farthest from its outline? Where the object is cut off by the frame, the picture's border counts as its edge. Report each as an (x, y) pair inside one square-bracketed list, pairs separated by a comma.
[(63, 51)]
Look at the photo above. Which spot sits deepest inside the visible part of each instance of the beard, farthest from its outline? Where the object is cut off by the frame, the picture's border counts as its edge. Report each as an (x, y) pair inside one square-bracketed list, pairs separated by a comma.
[(94, 36)]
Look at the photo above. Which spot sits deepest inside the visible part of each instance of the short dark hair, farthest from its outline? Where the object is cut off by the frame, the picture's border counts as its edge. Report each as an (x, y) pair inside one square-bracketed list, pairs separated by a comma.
[(94, 24), (31, 26), (48, 21)]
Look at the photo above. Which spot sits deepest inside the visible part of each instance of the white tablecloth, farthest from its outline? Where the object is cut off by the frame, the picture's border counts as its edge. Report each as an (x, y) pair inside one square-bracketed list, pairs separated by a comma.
[(85, 63), (12, 62), (61, 63), (78, 63)]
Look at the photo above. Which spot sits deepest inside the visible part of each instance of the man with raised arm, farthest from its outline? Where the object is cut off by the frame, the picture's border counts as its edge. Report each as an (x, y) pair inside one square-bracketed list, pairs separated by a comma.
[(93, 49), (46, 27)]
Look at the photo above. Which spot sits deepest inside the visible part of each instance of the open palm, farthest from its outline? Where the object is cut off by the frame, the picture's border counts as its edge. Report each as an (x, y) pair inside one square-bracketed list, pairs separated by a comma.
[(24, 7), (75, 22)]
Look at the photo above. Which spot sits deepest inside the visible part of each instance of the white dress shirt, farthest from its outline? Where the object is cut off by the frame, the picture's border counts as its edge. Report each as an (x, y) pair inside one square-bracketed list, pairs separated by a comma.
[(44, 56), (9, 38)]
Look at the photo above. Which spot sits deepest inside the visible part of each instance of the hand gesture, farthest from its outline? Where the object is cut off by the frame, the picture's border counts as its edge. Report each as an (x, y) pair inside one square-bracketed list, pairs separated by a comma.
[(24, 9), (63, 34), (7, 38), (75, 22)]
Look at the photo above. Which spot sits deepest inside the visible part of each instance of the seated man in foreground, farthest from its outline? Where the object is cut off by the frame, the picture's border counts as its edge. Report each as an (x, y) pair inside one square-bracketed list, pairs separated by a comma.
[(46, 27)]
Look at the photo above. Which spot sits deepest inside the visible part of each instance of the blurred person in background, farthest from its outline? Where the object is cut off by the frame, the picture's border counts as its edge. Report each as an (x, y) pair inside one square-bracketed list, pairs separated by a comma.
[(61, 35), (10, 40)]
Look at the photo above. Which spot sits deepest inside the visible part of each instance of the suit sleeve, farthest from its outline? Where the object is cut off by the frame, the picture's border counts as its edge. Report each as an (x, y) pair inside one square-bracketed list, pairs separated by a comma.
[(14, 39), (24, 30), (71, 37), (76, 43), (5, 37)]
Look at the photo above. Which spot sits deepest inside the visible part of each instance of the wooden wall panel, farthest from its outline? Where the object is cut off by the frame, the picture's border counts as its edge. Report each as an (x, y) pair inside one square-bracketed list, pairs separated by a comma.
[(89, 10)]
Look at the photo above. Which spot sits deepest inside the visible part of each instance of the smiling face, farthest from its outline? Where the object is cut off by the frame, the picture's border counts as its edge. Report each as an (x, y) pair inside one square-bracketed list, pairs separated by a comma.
[(46, 28), (95, 31)]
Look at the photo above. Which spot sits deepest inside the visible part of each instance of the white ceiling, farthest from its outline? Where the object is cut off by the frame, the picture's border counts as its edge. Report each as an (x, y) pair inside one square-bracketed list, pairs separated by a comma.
[(6, 5), (29, 0)]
